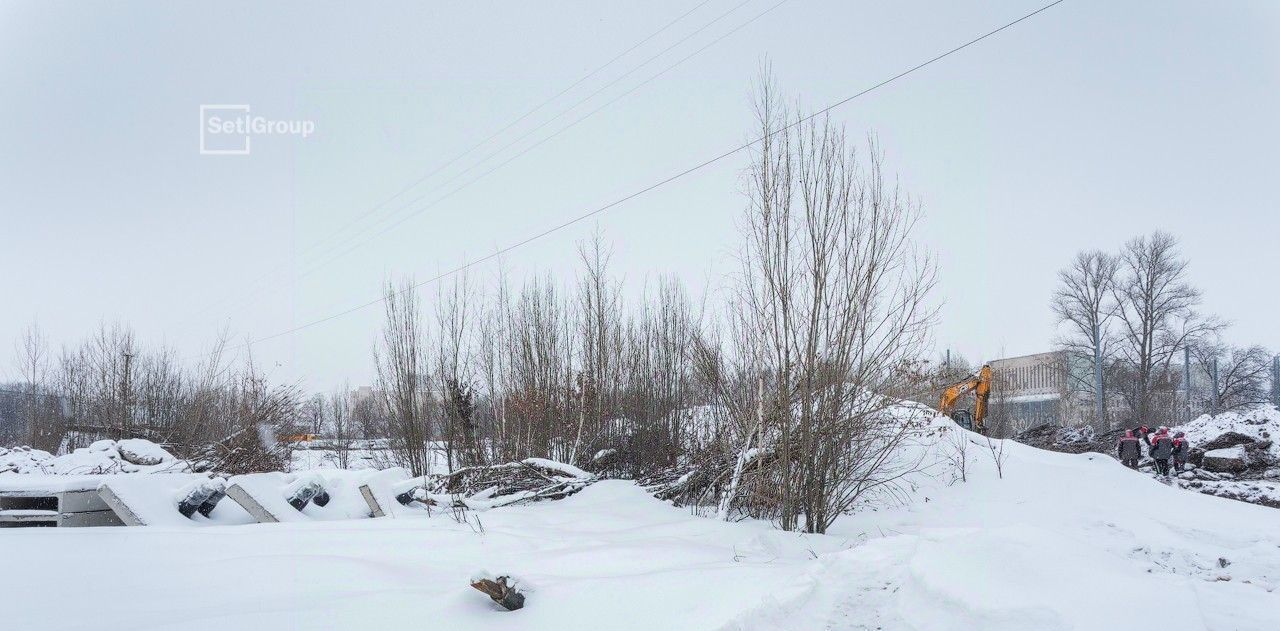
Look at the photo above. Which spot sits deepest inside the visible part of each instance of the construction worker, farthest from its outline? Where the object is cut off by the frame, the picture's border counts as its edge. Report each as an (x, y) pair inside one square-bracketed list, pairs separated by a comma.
[(1143, 432), (1162, 450), (1181, 449), (1129, 449)]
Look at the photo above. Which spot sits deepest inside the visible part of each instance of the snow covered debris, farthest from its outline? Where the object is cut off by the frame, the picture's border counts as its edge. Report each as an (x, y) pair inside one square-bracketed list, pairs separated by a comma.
[(558, 467), (142, 452), (1236, 455), (1260, 424), (102, 457), (1231, 459), (22, 459), (482, 488)]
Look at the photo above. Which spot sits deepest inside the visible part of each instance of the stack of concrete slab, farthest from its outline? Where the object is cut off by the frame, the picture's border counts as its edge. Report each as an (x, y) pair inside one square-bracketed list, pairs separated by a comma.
[(275, 497), (53, 500), (189, 499)]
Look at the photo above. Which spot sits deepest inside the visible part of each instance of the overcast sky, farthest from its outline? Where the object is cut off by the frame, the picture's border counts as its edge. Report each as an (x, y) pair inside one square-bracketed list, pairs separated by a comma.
[(1082, 127)]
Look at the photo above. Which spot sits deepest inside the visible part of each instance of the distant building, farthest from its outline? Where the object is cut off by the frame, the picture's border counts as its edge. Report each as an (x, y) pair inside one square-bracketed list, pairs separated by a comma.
[(363, 393), (1057, 387), (1030, 390)]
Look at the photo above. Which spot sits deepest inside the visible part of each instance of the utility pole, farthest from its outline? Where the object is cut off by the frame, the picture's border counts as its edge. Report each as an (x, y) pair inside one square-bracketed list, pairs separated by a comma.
[(1213, 373), (1186, 379), (124, 396), (1275, 380), (1098, 409)]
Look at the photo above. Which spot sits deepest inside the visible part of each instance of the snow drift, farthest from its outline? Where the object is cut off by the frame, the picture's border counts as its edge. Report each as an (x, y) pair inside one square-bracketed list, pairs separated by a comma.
[(1058, 541)]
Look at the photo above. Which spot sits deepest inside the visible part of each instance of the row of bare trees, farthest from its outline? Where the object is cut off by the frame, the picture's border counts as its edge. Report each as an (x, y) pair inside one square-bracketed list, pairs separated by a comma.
[(108, 386), (503, 373), (793, 374), (817, 335), (1137, 311)]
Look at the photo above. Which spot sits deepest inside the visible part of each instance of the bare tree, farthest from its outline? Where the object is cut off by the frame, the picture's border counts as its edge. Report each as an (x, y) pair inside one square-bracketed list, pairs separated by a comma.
[(996, 449), (453, 368), (1156, 318), (832, 297), (341, 426), (955, 451), (402, 378), (1238, 377), (1084, 304), (42, 427)]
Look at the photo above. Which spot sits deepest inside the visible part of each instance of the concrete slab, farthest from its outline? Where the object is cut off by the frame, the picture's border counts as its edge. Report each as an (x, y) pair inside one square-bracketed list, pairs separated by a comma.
[(27, 517), (122, 510), (90, 519), (81, 502), (251, 505)]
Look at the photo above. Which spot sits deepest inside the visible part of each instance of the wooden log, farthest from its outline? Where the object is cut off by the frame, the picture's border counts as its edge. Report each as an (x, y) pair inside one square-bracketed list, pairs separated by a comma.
[(502, 591)]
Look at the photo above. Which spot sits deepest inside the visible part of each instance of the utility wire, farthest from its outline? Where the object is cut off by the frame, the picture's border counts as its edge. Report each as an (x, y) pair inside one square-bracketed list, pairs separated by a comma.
[(356, 236), (361, 243), (315, 246), (697, 167)]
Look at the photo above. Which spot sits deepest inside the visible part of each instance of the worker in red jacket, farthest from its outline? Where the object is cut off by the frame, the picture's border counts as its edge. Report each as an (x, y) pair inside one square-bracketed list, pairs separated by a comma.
[(1143, 433), (1162, 450), (1129, 449), (1181, 450)]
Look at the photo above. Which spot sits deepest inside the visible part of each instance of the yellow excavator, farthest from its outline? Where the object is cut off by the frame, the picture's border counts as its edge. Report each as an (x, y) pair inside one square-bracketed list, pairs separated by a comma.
[(979, 384)]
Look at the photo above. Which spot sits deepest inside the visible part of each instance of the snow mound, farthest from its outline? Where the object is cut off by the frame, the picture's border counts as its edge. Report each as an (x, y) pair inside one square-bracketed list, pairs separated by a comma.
[(1261, 424), (559, 467), (134, 455)]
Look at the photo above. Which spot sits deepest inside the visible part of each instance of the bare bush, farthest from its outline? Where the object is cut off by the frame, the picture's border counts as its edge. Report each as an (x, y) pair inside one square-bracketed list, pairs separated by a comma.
[(830, 308)]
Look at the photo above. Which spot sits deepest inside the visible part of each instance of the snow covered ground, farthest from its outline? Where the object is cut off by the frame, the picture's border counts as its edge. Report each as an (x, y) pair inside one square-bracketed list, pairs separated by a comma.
[(1061, 542)]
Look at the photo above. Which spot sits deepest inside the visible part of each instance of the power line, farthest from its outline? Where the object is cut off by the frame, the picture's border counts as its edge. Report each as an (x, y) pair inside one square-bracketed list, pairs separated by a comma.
[(697, 167), (315, 246), (361, 243), (578, 103)]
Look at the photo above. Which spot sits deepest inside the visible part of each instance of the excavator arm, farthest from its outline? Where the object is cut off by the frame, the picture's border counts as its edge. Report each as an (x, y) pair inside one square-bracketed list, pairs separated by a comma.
[(980, 385)]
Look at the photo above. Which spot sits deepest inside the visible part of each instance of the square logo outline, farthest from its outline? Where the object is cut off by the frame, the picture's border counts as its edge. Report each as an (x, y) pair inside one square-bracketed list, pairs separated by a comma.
[(222, 152)]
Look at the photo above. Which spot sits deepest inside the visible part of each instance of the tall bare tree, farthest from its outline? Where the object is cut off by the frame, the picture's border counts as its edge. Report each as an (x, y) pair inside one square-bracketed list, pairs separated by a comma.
[(1155, 307), (41, 418), (341, 425), (402, 377), (833, 296), (1084, 304)]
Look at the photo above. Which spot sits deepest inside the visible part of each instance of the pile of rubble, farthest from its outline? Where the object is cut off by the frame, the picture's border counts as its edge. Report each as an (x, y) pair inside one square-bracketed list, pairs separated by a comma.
[(484, 487), (1235, 455), (134, 455), (1072, 440)]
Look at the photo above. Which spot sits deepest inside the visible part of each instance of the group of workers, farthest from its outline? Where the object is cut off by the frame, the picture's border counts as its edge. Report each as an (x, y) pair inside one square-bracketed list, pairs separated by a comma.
[(1162, 448)]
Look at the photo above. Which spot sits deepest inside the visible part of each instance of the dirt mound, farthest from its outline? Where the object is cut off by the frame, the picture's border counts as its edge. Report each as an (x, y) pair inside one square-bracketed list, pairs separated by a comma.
[(1072, 440)]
